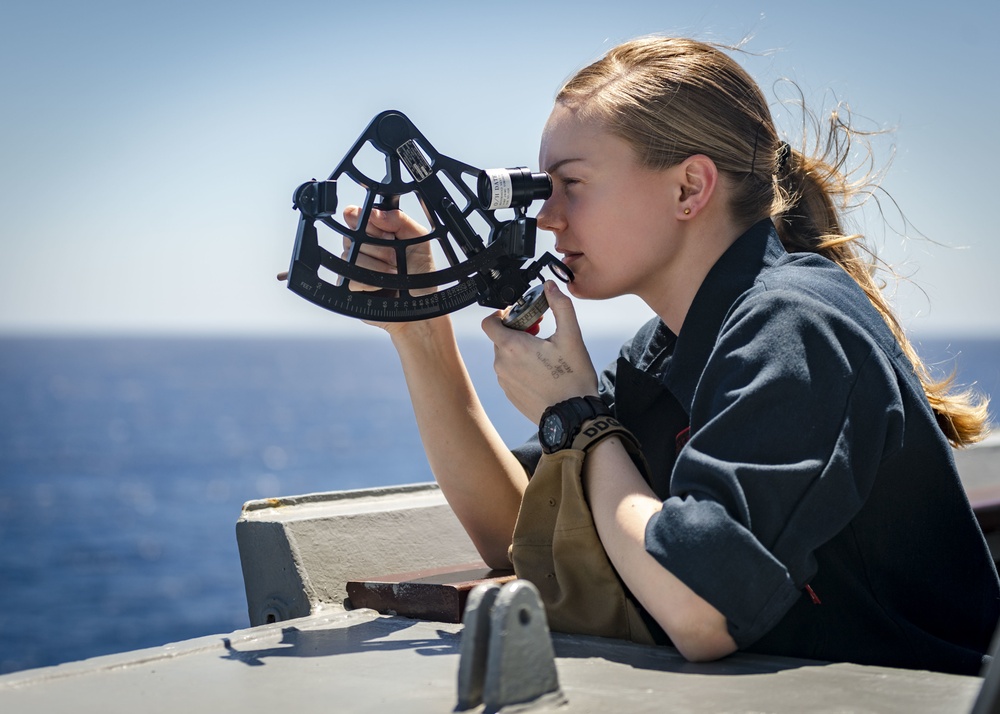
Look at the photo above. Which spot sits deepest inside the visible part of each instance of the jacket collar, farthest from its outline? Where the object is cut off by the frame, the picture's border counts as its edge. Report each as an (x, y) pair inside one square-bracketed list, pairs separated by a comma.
[(731, 276)]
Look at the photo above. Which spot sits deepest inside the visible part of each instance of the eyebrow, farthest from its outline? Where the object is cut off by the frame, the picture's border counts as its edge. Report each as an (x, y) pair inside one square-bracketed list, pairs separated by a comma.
[(560, 163)]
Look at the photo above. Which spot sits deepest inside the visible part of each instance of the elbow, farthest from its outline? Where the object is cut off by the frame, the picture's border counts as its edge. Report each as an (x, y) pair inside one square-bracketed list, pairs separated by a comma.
[(702, 635), (495, 555), (705, 648), (494, 562), (704, 641)]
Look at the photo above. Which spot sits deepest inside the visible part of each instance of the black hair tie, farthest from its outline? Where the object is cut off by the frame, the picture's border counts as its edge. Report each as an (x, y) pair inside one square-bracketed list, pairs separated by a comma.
[(784, 153)]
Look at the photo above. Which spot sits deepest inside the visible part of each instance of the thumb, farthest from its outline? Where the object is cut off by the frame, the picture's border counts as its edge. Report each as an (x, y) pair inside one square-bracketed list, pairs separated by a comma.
[(562, 310), (400, 224)]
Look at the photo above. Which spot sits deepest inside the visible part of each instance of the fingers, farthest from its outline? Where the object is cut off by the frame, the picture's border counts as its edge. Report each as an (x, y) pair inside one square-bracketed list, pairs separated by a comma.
[(385, 224), (535, 373), (563, 311), (498, 332), (400, 224), (381, 259), (374, 257)]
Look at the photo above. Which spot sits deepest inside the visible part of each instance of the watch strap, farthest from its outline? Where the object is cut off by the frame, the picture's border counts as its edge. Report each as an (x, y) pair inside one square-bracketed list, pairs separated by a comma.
[(595, 430), (587, 408), (574, 413)]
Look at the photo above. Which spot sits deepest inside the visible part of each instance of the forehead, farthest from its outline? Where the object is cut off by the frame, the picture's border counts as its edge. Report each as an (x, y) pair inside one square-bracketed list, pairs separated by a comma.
[(570, 135)]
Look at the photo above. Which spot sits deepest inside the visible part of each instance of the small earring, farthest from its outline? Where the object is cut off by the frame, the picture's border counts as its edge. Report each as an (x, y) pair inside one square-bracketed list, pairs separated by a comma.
[(687, 211)]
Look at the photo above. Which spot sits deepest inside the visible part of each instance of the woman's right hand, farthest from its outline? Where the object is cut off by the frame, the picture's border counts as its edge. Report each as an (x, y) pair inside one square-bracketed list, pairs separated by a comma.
[(387, 225)]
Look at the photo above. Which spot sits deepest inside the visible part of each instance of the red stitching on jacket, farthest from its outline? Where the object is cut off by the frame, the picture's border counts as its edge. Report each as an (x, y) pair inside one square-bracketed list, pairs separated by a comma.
[(682, 438), (813, 596)]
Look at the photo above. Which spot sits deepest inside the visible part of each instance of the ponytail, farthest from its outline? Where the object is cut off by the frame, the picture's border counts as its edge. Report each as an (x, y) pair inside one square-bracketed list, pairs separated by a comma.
[(811, 192)]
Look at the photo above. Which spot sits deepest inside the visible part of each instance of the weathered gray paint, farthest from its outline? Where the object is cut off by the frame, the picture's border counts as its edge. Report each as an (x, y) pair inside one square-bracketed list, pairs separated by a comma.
[(506, 651), (299, 552), (520, 664), (359, 661), (475, 647)]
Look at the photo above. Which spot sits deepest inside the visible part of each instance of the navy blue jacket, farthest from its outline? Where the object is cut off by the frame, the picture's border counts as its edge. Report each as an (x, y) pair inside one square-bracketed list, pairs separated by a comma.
[(809, 494)]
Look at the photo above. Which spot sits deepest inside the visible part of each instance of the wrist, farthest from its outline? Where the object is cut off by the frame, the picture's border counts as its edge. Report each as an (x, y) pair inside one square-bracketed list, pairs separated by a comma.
[(561, 423), (419, 334)]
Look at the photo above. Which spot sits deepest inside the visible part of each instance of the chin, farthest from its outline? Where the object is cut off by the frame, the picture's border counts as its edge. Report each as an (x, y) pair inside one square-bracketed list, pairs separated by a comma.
[(583, 291), (577, 290)]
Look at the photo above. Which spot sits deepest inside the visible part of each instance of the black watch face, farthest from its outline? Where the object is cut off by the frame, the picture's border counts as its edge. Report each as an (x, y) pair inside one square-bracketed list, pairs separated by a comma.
[(552, 432)]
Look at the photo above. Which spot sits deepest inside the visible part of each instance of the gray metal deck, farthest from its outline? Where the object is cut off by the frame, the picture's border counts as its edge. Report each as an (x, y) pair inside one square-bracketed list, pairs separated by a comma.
[(359, 661)]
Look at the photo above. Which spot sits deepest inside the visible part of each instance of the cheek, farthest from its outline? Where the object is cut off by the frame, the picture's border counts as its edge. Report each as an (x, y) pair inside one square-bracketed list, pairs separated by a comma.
[(594, 226)]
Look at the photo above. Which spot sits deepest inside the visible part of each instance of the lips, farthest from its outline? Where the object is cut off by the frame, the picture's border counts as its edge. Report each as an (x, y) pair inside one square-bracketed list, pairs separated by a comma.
[(568, 256)]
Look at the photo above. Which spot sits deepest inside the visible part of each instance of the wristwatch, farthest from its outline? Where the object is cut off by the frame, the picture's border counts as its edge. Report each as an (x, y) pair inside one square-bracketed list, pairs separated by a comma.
[(561, 422)]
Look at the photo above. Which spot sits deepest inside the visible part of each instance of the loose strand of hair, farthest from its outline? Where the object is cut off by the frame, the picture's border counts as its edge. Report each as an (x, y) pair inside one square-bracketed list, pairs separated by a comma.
[(815, 192)]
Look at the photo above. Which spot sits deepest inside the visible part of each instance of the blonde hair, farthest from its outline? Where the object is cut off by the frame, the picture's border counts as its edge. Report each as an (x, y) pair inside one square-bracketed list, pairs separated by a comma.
[(671, 98)]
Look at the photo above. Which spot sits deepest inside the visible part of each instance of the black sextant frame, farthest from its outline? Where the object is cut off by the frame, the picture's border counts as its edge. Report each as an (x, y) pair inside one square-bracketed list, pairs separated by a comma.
[(489, 270)]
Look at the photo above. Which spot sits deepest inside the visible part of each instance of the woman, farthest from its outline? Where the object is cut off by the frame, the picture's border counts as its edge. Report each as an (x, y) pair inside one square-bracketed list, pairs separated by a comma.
[(801, 497)]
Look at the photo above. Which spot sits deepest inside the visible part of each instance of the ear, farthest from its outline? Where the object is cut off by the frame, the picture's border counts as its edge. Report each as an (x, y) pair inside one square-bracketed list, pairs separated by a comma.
[(699, 177)]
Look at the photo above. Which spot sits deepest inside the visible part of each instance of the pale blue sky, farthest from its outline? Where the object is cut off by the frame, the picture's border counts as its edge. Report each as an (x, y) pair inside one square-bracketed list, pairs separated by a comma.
[(148, 151)]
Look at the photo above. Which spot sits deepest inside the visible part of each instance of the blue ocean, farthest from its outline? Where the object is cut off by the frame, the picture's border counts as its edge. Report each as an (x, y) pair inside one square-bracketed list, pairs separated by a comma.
[(124, 463)]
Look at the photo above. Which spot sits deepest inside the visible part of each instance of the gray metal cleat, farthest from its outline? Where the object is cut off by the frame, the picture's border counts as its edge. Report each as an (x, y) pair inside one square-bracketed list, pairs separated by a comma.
[(506, 650)]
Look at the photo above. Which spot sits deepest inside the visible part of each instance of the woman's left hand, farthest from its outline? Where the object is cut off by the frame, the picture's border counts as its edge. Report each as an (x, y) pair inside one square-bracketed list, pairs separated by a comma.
[(536, 373)]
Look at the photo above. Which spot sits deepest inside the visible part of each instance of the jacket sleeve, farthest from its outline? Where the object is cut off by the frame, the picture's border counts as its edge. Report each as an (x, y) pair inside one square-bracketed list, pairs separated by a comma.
[(793, 413)]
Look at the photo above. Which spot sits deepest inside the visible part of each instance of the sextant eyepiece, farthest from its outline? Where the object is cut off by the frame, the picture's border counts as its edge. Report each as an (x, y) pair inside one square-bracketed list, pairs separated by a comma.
[(506, 188)]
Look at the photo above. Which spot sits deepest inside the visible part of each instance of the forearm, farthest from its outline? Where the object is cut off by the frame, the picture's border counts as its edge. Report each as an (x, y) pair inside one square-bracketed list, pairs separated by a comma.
[(622, 504), (478, 475)]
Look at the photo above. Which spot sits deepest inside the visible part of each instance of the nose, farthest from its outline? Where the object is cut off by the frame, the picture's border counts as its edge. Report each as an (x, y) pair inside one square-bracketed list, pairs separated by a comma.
[(551, 216)]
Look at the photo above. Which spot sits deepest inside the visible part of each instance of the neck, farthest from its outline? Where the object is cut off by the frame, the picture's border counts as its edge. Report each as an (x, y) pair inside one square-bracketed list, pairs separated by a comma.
[(701, 242)]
